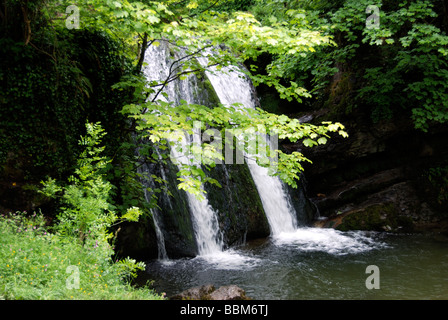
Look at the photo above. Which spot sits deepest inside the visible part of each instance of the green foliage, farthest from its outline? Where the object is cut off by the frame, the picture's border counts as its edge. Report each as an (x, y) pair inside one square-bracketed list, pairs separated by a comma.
[(418, 68), (48, 91), (87, 211), (128, 268), (438, 176), (300, 37), (200, 22), (194, 26), (29, 80), (199, 7), (163, 124), (398, 67), (37, 264)]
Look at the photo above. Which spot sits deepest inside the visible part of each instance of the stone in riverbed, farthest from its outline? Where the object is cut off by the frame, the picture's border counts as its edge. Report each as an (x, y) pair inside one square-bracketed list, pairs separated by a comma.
[(208, 292), (231, 292)]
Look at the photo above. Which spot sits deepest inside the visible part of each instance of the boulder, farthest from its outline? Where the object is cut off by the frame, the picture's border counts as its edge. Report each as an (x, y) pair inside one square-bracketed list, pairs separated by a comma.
[(231, 292), (196, 293), (208, 292)]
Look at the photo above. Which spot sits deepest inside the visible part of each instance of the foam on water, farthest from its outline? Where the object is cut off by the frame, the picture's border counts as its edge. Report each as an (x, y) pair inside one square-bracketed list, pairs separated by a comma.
[(328, 240), (229, 260)]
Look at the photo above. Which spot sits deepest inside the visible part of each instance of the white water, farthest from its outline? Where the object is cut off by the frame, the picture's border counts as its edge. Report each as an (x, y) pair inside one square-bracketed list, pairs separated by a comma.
[(162, 254), (328, 240), (232, 86), (206, 228)]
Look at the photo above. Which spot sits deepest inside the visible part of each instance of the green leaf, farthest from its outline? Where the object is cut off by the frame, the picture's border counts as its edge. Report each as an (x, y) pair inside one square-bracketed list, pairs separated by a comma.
[(322, 140), (309, 143)]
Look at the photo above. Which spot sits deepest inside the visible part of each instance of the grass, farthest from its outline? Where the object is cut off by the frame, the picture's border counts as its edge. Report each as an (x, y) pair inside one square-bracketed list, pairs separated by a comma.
[(36, 264)]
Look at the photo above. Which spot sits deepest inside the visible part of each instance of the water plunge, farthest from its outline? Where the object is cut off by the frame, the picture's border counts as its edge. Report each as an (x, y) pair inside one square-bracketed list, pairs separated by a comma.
[(296, 263), (206, 228), (233, 86)]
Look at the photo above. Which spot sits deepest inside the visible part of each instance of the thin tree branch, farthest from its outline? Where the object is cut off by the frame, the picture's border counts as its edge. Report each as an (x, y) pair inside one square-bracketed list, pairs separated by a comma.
[(206, 9), (173, 67), (44, 52), (142, 53)]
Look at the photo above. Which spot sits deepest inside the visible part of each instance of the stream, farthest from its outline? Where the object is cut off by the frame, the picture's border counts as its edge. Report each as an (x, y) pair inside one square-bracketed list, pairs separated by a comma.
[(314, 263)]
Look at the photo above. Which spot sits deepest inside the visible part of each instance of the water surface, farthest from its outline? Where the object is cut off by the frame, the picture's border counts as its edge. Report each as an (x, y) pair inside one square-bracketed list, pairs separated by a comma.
[(314, 263)]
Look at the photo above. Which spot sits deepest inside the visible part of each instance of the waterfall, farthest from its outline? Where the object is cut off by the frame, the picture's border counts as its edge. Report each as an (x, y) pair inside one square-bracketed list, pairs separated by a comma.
[(230, 86), (233, 86), (208, 236), (149, 183), (206, 228)]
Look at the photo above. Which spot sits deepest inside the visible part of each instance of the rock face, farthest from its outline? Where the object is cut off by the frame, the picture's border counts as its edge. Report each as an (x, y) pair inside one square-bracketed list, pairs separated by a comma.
[(208, 292), (237, 204), (377, 179)]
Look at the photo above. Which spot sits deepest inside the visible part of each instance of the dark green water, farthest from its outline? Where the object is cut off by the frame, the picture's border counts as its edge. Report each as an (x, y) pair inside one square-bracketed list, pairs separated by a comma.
[(318, 264)]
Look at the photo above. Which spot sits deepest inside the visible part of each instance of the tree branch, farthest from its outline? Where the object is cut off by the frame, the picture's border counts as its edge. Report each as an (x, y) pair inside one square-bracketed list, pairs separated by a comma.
[(44, 52), (206, 9), (142, 53), (27, 26), (173, 67)]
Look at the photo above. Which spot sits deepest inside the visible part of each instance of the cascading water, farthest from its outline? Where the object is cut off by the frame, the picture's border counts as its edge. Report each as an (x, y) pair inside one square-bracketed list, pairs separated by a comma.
[(232, 86), (206, 228), (208, 237), (296, 261)]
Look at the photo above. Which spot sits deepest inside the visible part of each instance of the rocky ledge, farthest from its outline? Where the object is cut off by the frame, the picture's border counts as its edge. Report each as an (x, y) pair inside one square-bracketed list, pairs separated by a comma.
[(378, 178)]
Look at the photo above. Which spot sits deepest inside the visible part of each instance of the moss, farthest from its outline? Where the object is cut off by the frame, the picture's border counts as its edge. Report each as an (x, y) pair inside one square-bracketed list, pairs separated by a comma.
[(177, 223), (240, 211), (45, 107), (340, 98), (377, 217), (209, 97)]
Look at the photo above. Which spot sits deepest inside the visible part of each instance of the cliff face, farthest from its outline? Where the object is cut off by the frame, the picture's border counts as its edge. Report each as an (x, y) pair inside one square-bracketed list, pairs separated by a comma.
[(378, 178)]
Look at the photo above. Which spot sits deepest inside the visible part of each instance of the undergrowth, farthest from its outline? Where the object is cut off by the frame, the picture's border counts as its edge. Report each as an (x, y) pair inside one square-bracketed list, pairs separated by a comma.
[(37, 264)]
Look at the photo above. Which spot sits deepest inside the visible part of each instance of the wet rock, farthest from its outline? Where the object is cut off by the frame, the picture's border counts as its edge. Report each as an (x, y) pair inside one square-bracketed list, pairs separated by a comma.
[(237, 203), (376, 217), (208, 292), (137, 240), (196, 293), (378, 165), (231, 292)]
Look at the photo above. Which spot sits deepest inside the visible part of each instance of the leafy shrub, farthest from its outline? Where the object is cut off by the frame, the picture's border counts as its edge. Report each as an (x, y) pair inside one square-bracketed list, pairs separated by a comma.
[(35, 262), (86, 204), (38, 264)]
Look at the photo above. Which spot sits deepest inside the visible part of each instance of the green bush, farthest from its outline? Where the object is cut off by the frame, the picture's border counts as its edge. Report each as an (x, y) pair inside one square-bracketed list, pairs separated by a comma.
[(49, 89), (399, 68), (37, 264), (86, 204), (74, 260)]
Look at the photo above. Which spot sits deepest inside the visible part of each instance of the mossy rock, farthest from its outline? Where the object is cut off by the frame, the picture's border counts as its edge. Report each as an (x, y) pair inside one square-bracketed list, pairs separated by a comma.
[(237, 203), (376, 217)]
